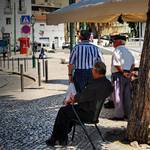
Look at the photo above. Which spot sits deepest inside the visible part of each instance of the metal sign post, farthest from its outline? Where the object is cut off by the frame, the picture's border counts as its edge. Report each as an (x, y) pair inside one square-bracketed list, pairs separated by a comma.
[(72, 30), (14, 27)]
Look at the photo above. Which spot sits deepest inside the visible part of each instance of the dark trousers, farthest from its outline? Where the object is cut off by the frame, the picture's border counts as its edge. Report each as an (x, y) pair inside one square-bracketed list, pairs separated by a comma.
[(121, 95), (65, 120), (81, 78)]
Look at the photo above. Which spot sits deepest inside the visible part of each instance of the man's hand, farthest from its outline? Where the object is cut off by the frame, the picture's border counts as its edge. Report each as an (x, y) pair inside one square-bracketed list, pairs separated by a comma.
[(67, 102), (70, 101), (70, 68), (70, 78)]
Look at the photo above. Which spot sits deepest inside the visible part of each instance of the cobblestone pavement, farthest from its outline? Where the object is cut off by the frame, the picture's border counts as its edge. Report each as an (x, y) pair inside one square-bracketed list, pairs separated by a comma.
[(26, 119), (25, 125)]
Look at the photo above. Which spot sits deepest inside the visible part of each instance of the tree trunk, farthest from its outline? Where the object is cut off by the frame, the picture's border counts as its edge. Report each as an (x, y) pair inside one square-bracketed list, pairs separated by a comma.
[(139, 122)]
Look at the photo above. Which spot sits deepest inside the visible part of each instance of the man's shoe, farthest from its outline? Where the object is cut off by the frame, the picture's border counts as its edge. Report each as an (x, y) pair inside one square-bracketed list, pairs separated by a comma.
[(109, 104), (63, 142), (51, 141)]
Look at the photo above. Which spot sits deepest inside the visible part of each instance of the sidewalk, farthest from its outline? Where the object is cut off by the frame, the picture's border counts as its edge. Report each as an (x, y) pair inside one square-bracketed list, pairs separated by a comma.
[(56, 71), (27, 118)]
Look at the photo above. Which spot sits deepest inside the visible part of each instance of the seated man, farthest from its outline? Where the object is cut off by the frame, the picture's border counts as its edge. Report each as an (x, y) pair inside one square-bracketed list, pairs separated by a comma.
[(98, 89)]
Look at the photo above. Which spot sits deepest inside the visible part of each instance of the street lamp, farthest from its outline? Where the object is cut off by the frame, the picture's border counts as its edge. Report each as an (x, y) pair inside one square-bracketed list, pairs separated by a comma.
[(33, 20)]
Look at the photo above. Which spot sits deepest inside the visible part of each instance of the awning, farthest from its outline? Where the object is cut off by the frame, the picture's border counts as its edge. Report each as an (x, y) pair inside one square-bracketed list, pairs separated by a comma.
[(101, 11)]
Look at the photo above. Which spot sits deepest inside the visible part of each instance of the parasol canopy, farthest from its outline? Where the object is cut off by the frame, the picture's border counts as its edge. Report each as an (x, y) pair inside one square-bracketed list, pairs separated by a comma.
[(101, 11)]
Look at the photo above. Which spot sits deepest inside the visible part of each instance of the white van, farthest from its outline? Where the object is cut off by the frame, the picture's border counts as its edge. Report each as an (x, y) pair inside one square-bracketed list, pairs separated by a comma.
[(46, 47)]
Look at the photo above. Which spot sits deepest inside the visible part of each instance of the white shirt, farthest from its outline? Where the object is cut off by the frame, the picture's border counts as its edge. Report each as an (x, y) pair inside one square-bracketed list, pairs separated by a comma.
[(122, 57)]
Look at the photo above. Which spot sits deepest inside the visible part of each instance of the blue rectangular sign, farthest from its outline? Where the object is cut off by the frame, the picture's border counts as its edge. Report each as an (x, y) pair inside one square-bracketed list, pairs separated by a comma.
[(25, 19)]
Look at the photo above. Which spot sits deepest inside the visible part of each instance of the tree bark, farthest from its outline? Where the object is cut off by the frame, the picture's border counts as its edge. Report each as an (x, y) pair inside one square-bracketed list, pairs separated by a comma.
[(138, 128)]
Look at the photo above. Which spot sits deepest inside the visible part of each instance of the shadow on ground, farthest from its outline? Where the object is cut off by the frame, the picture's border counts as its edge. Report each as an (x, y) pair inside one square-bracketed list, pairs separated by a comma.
[(59, 81), (27, 124)]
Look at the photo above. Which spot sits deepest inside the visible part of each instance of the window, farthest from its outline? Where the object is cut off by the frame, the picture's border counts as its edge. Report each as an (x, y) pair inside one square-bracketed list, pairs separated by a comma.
[(8, 4), (21, 5), (8, 21), (44, 39), (7, 9), (42, 25), (33, 1), (39, 44)]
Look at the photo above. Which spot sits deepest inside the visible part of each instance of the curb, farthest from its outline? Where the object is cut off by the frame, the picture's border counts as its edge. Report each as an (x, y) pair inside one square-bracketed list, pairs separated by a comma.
[(16, 73), (4, 84), (25, 75)]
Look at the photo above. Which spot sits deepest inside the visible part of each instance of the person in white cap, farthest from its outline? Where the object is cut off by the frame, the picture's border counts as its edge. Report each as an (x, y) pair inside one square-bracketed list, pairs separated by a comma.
[(121, 68)]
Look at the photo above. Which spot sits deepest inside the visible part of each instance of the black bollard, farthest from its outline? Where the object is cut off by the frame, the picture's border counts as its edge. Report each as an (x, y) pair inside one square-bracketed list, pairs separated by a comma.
[(12, 64), (18, 64), (46, 71), (25, 65), (3, 62), (4, 58), (39, 73), (8, 62), (43, 67), (0, 62), (21, 77)]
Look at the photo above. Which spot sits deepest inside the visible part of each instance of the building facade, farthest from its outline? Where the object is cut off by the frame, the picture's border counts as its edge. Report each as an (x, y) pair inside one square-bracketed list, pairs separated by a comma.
[(12, 17), (15, 22), (52, 3), (46, 35)]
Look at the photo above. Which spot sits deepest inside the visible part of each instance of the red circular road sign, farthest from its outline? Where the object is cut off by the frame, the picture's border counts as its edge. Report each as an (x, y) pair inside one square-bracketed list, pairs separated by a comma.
[(25, 29)]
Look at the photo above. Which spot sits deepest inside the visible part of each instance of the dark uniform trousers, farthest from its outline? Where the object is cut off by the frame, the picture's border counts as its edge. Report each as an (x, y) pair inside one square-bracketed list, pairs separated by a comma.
[(123, 88)]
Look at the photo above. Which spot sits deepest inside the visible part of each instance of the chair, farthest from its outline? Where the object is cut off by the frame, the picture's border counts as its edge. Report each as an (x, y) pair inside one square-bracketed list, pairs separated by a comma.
[(95, 120)]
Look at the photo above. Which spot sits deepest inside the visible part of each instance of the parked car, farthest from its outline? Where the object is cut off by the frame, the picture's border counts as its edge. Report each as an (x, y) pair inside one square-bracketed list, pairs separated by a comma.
[(46, 47), (65, 45), (105, 40)]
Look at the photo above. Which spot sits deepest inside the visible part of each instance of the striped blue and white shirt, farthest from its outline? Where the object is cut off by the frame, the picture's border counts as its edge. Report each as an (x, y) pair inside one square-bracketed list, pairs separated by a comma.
[(84, 55)]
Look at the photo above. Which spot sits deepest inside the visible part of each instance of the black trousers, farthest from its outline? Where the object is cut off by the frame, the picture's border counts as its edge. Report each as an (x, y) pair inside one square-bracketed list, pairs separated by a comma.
[(122, 95), (65, 120)]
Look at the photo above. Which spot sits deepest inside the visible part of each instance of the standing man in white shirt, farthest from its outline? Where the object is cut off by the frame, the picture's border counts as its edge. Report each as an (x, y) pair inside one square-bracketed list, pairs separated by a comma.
[(121, 68)]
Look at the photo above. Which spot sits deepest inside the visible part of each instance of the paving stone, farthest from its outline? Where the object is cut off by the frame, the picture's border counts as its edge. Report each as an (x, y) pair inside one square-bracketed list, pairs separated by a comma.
[(26, 119)]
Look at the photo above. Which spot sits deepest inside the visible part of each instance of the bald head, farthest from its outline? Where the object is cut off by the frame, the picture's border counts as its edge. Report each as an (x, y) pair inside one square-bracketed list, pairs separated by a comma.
[(99, 70)]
